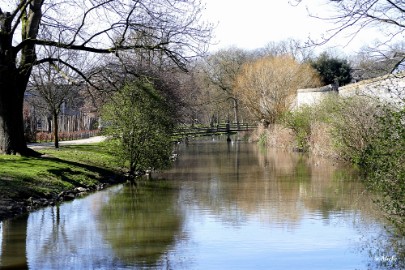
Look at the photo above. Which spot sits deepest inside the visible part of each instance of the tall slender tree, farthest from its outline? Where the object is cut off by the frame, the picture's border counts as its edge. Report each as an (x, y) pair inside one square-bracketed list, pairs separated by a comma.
[(51, 92), (221, 70)]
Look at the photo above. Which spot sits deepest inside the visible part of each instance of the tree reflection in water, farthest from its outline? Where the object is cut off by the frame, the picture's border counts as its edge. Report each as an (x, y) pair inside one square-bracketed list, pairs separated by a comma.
[(282, 189), (262, 206), (142, 223), (14, 243), (386, 251)]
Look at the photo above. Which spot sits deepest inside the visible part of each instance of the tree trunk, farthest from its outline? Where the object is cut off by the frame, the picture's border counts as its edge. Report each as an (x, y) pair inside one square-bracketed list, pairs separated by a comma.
[(56, 129), (13, 83), (13, 80), (12, 139), (14, 244), (236, 111)]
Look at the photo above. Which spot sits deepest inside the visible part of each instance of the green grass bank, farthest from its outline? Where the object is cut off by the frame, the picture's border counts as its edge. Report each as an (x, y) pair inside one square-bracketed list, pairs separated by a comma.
[(28, 183)]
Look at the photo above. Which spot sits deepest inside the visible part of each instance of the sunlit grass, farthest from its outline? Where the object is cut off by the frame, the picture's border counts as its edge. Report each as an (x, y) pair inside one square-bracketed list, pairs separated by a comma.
[(57, 170)]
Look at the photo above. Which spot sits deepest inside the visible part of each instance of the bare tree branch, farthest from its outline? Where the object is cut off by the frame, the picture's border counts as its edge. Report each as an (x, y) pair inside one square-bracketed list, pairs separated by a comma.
[(357, 15), (52, 60), (171, 28)]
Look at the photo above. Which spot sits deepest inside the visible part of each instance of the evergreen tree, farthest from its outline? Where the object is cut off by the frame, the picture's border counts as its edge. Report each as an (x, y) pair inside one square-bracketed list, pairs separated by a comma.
[(332, 70)]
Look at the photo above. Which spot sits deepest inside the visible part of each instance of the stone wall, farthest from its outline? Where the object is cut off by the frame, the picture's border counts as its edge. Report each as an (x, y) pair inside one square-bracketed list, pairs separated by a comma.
[(388, 88)]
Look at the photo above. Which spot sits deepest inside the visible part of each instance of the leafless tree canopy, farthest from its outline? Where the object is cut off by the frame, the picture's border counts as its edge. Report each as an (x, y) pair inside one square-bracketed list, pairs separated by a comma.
[(353, 16), (105, 26), (220, 71), (297, 49), (171, 27)]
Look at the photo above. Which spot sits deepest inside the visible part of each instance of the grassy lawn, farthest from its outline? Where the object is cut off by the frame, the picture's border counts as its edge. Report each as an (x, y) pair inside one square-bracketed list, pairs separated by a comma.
[(58, 170)]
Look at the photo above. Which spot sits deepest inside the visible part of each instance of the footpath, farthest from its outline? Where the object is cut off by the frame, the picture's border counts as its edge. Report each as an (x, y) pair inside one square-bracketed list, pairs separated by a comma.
[(90, 140)]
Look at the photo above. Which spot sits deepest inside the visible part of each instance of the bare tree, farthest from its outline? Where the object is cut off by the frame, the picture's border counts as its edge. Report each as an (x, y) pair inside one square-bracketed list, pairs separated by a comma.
[(52, 93), (297, 49), (194, 95), (173, 28), (377, 60), (221, 70), (354, 16)]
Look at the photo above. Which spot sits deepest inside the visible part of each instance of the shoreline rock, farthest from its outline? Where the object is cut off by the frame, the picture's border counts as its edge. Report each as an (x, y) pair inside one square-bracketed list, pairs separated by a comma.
[(10, 208)]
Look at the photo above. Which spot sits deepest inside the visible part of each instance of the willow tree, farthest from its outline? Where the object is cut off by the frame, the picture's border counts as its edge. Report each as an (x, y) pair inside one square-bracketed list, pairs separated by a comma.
[(268, 85), (107, 27)]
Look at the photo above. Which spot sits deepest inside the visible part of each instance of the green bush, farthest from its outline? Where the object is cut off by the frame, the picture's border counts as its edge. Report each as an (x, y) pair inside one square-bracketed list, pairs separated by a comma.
[(385, 162), (333, 70), (300, 122), (353, 123), (367, 133), (372, 135), (142, 121)]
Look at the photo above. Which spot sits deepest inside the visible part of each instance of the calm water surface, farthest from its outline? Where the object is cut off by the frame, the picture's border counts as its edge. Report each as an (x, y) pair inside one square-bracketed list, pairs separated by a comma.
[(223, 206)]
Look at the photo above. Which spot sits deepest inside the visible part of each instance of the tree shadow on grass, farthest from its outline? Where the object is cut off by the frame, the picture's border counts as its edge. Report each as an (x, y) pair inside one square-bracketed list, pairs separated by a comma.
[(106, 176), (62, 175), (45, 178), (16, 188)]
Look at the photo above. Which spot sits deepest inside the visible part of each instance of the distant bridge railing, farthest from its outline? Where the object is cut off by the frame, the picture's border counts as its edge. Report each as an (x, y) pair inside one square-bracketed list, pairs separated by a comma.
[(223, 128)]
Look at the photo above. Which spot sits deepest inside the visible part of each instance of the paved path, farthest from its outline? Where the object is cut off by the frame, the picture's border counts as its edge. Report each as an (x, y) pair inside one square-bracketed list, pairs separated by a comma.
[(95, 139)]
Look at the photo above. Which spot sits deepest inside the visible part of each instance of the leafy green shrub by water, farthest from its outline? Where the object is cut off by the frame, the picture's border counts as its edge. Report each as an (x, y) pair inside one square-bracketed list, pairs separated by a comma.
[(300, 122), (367, 133), (385, 163), (353, 123), (140, 120)]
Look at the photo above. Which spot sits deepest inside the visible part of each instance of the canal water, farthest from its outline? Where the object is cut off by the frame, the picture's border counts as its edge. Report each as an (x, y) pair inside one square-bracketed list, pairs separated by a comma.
[(222, 206)]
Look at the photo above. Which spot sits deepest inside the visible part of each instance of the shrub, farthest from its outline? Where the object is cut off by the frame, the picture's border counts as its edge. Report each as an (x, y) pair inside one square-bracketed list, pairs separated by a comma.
[(263, 139), (142, 121), (300, 122), (353, 124), (321, 141), (333, 70), (365, 132), (385, 162)]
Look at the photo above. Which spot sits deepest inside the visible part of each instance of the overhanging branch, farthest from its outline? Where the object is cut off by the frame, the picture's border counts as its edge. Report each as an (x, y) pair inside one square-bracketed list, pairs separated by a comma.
[(52, 60), (160, 46)]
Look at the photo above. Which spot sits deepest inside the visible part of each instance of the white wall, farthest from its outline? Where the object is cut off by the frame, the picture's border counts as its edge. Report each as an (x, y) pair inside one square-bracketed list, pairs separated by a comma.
[(389, 88), (312, 96)]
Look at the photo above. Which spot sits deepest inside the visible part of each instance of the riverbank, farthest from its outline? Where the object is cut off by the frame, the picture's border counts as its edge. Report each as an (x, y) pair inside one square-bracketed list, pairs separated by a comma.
[(28, 183), (319, 144), (360, 131)]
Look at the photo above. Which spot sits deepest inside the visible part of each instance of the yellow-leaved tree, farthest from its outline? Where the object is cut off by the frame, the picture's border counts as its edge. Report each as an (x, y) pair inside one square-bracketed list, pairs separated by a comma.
[(268, 86)]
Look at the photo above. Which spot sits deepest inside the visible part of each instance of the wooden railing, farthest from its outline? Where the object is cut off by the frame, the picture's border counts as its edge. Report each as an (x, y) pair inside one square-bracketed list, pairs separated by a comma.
[(223, 128)]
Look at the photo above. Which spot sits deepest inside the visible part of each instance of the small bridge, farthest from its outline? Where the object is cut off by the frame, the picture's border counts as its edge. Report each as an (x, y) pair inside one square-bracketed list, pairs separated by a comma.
[(224, 128)]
